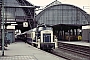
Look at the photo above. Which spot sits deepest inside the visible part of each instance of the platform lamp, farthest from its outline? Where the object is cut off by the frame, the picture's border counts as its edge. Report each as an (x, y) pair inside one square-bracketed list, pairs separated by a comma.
[(3, 27)]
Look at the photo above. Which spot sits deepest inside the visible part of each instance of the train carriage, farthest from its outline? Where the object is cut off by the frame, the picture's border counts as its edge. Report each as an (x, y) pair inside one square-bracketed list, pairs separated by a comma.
[(41, 37)]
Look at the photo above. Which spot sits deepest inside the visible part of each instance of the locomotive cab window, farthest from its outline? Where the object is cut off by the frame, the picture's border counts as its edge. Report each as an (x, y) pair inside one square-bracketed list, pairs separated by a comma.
[(47, 37)]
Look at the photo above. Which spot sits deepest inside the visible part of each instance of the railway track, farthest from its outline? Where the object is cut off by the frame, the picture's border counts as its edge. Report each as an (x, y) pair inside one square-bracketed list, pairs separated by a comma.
[(72, 52)]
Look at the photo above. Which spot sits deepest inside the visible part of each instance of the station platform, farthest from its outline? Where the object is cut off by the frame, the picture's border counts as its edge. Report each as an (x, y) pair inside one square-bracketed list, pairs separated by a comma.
[(77, 43), (24, 51)]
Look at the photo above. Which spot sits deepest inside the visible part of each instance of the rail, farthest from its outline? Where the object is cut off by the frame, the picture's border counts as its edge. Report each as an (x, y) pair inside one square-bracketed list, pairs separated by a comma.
[(81, 50), (72, 51)]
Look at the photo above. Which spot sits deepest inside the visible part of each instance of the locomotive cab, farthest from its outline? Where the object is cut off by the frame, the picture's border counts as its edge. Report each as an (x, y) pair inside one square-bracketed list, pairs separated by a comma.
[(46, 40)]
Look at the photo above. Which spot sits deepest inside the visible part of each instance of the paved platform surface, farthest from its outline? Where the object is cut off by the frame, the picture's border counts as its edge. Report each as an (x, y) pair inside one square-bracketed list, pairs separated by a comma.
[(27, 57), (23, 51)]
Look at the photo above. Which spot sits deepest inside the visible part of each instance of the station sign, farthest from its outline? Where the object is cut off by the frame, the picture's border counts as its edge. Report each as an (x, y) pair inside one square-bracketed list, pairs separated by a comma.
[(86, 27), (25, 24)]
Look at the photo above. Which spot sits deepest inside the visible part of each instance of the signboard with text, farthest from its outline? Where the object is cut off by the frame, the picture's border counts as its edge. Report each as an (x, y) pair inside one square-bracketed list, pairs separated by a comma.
[(25, 24)]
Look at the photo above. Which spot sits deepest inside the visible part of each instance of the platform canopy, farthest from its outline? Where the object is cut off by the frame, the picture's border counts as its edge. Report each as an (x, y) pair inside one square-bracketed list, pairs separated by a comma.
[(67, 26), (19, 11), (58, 13)]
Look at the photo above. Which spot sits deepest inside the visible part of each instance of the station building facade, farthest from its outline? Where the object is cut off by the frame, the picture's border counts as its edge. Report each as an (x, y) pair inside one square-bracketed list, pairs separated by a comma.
[(66, 19)]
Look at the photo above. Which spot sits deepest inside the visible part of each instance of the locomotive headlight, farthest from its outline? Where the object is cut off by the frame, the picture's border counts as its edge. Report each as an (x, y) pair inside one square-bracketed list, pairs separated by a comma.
[(38, 40), (55, 40)]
